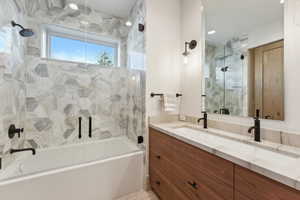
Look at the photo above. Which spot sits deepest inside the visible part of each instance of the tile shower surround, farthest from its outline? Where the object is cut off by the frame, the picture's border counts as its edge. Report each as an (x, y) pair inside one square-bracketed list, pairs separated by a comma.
[(47, 97)]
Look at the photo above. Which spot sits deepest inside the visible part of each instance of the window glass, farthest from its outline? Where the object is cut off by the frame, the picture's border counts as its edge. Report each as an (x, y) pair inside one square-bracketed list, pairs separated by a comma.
[(62, 48)]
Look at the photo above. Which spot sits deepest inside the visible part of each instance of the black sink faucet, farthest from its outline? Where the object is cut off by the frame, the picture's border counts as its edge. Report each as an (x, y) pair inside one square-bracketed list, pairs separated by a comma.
[(12, 151), (256, 127), (204, 120)]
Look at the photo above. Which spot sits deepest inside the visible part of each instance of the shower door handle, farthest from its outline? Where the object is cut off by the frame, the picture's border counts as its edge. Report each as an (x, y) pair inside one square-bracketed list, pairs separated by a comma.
[(79, 128), (90, 127)]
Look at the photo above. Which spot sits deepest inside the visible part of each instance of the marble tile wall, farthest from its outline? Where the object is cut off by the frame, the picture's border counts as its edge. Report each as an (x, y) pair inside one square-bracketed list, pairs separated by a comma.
[(49, 96), (12, 85)]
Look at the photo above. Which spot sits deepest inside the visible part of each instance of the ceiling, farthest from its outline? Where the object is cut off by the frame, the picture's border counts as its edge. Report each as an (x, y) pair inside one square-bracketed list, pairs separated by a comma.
[(118, 8), (233, 18)]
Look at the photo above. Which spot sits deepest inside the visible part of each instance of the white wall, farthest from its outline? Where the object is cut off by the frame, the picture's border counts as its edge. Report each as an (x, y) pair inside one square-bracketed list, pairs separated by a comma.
[(266, 34), (163, 47), (191, 80), (292, 73), (165, 39)]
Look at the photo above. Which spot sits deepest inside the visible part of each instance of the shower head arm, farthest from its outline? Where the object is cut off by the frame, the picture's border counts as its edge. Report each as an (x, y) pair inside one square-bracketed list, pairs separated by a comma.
[(14, 24)]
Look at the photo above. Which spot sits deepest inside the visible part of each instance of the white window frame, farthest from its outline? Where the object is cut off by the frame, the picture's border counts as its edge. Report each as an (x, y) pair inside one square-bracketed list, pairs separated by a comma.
[(53, 30)]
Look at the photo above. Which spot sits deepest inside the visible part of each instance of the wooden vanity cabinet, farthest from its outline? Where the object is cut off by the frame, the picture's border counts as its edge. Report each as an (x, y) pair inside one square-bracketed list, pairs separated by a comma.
[(196, 174), (252, 186), (179, 171)]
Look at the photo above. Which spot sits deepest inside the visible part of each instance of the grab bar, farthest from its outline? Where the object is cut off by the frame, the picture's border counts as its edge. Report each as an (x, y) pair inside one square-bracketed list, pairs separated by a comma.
[(79, 128), (90, 127)]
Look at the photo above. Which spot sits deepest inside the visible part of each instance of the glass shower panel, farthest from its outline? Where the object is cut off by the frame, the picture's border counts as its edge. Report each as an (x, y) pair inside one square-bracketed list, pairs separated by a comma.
[(12, 84), (53, 98), (235, 78)]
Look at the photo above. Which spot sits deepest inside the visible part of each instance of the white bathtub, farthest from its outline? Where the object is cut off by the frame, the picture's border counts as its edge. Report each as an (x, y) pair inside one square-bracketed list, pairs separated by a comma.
[(102, 170)]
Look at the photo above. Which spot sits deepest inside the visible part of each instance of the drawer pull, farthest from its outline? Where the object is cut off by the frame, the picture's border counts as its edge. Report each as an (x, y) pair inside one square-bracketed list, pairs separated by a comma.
[(158, 157), (157, 182), (193, 184)]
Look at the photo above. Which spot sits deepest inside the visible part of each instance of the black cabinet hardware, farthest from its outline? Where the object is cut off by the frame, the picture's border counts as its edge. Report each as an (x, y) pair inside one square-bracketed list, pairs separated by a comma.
[(193, 184), (79, 128), (157, 182), (158, 157)]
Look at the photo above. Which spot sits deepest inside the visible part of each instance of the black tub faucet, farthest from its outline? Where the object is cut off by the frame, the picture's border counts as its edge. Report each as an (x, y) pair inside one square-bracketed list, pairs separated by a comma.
[(12, 151), (256, 127), (204, 120)]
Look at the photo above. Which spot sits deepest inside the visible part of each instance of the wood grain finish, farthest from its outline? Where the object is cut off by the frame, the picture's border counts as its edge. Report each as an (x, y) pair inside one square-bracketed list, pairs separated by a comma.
[(190, 169), (179, 171), (163, 188), (196, 186), (253, 186), (266, 75), (190, 158)]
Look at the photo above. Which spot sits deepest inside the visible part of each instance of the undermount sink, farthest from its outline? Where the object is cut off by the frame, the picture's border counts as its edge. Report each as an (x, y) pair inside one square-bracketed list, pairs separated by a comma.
[(244, 144)]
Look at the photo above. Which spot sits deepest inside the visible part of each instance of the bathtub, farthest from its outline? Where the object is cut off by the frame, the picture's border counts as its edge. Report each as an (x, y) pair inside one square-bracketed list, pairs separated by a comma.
[(103, 170)]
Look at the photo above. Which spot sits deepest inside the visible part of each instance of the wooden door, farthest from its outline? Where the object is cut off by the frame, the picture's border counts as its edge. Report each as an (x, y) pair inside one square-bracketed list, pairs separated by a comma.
[(268, 80)]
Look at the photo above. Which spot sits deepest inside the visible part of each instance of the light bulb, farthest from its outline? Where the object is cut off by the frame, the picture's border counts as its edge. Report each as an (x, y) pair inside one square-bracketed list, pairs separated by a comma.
[(185, 60), (73, 6), (128, 23)]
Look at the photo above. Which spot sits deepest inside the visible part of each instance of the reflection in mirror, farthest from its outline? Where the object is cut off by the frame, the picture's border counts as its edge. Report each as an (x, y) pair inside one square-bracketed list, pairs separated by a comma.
[(244, 58)]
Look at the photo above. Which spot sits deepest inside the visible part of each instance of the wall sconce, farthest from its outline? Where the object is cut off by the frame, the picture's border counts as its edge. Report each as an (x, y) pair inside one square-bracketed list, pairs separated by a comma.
[(188, 45)]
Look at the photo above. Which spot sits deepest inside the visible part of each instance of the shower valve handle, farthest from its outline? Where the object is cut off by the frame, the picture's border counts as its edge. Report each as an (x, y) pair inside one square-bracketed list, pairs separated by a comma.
[(12, 131)]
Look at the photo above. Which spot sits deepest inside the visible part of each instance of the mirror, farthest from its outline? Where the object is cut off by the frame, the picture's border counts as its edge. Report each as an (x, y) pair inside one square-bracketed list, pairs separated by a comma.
[(244, 58)]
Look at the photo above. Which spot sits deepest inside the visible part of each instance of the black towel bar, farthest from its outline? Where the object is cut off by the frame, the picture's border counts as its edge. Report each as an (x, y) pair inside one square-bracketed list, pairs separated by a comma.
[(154, 94)]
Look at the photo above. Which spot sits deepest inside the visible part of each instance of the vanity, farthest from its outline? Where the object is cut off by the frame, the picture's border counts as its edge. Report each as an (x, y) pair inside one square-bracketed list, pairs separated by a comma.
[(184, 165)]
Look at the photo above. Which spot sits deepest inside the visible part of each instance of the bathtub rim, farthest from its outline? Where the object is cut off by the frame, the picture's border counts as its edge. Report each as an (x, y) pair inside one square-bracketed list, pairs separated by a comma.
[(69, 168), (89, 142)]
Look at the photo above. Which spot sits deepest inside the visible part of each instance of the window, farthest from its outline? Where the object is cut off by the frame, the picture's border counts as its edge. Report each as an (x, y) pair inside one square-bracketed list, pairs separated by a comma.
[(75, 46)]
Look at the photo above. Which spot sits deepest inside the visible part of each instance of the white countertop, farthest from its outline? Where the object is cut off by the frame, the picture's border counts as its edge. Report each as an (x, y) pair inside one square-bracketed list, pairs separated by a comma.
[(276, 161)]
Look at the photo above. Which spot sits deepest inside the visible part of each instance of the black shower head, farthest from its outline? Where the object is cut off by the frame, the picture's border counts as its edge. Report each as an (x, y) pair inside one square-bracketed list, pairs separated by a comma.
[(24, 32)]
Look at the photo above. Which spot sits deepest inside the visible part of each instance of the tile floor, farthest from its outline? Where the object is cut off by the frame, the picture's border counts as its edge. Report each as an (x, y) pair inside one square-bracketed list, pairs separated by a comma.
[(143, 195)]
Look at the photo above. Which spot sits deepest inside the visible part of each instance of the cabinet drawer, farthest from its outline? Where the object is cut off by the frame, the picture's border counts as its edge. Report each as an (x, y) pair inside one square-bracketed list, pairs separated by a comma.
[(195, 186), (192, 159), (256, 187), (163, 188)]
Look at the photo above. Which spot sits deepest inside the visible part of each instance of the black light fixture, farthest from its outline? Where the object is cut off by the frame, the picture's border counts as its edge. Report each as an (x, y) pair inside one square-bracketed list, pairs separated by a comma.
[(24, 31), (189, 45)]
